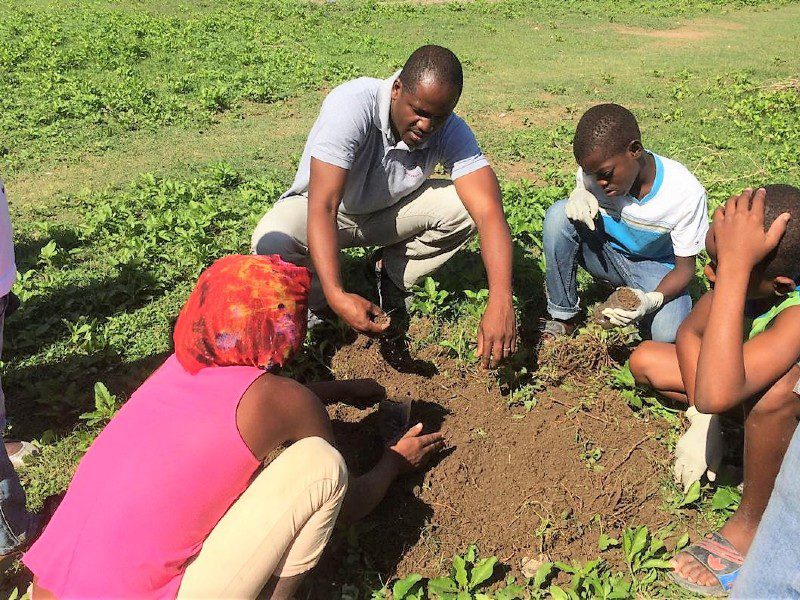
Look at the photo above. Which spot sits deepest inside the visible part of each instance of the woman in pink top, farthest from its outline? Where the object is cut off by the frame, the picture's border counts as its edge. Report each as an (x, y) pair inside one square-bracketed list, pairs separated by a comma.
[(171, 500)]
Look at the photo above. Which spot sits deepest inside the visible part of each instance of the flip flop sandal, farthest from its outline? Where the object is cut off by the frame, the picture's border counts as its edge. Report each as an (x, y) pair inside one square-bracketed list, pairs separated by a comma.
[(719, 558), (549, 330)]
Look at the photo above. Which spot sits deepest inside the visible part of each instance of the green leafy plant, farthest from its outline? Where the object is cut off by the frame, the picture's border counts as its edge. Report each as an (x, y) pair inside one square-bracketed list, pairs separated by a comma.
[(408, 588), (604, 542), (524, 396), (689, 497), (726, 500), (476, 302), (467, 576), (428, 298), (590, 580), (645, 554), (459, 344), (106, 405), (591, 456), (639, 398)]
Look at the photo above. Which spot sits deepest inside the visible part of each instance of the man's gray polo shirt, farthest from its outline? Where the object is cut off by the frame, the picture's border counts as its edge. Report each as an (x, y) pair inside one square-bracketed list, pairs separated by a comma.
[(353, 131)]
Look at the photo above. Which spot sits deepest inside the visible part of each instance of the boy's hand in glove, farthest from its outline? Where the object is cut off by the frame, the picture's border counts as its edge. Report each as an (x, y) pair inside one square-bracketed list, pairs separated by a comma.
[(648, 302), (699, 451), (582, 206)]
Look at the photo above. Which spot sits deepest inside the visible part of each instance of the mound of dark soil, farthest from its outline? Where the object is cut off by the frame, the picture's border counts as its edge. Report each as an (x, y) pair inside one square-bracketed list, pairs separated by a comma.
[(516, 483)]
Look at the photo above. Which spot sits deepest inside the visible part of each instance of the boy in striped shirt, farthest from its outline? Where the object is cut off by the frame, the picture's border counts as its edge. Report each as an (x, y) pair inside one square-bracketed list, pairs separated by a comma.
[(635, 219)]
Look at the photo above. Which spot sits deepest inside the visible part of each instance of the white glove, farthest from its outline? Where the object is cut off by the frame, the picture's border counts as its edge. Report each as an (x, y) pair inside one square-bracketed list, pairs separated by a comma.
[(699, 450), (648, 302), (582, 205)]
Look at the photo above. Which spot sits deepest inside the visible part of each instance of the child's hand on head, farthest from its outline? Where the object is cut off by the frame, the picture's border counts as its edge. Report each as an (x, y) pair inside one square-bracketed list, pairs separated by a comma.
[(739, 233)]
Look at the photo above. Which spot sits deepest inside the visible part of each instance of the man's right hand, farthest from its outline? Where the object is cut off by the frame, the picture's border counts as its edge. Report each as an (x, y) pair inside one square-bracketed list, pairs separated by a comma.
[(360, 313)]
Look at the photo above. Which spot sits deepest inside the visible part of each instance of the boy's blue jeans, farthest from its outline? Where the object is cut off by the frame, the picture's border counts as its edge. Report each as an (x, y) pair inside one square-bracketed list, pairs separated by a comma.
[(15, 520), (568, 244), (772, 566)]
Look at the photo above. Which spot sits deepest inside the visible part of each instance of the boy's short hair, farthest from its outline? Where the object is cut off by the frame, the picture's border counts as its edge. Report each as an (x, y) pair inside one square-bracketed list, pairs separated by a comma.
[(436, 62), (782, 198), (608, 126)]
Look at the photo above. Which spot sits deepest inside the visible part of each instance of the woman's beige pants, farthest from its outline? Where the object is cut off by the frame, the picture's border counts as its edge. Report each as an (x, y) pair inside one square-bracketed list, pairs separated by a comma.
[(278, 526)]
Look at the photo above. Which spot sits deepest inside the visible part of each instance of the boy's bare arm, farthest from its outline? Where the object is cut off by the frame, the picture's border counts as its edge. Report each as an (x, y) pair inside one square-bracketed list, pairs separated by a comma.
[(724, 379), (687, 343), (770, 355), (675, 282)]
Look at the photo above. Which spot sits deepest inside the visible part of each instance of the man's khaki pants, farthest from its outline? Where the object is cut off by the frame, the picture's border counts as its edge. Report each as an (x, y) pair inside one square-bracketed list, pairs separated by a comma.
[(278, 526), (418, 234)]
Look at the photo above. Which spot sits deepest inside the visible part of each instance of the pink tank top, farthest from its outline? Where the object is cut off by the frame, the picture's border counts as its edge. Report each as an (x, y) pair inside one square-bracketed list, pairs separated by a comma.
[(150, 489)]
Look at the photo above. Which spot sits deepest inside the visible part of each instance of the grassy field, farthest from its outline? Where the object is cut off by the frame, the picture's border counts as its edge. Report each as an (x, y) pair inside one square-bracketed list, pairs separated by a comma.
[(140, 140)]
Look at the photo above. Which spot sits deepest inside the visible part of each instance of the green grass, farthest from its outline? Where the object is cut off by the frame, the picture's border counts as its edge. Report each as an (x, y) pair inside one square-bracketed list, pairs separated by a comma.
[(142, 139)]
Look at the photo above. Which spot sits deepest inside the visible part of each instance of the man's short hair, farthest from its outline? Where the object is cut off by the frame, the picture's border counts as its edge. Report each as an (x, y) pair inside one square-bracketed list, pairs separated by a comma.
[(609, 127), (782, 198), (434, 63)]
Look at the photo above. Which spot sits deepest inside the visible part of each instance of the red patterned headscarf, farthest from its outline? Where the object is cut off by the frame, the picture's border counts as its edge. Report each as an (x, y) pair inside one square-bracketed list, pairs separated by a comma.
[(245, 310)]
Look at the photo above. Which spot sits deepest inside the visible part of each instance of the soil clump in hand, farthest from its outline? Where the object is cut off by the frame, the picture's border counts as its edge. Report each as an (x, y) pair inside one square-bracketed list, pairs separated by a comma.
[(623, 297), (382, 319)]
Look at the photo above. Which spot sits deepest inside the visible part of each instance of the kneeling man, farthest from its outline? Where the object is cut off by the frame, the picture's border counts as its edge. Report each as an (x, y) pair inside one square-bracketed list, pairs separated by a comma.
[(363, 181)]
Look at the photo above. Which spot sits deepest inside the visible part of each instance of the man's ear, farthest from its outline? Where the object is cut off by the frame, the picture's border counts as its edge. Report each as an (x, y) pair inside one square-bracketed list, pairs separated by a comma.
[(783, 285), (397, 87), (635, 149)]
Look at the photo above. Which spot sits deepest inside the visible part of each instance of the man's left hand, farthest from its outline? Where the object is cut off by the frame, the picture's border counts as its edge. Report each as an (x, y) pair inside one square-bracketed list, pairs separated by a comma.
[(497, 333)]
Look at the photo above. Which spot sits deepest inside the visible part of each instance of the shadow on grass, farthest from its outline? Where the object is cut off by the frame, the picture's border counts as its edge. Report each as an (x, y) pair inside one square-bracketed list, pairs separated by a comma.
[(39, 322), (52, 396)]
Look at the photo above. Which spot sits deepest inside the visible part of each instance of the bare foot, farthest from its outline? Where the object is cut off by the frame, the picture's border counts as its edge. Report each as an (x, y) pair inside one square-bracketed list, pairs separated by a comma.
[(687, 567)]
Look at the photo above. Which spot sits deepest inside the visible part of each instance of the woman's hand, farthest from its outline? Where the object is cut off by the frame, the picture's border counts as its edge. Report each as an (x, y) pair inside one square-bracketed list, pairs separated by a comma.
[(413, 451)]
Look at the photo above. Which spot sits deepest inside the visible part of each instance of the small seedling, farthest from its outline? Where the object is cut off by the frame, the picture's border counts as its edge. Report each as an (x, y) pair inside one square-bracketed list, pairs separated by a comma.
[(105, 406), (644, 554), (604, 542), (591, 456), (429, 299), (691, 496)]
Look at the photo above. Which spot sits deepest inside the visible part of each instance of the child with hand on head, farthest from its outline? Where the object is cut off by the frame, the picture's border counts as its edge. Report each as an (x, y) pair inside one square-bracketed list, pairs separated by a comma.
[(653, 220), (714, 370)]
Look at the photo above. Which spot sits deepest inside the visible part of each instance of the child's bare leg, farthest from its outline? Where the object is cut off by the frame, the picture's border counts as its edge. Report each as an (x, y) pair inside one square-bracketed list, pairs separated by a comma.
[(768, 430), (655, 364)]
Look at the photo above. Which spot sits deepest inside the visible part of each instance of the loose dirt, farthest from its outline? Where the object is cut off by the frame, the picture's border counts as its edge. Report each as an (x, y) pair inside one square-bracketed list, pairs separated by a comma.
[(517, 483), (696, 31)]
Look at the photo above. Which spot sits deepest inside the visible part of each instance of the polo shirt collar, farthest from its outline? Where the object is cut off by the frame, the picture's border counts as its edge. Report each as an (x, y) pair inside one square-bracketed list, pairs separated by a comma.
[(382, 117)]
